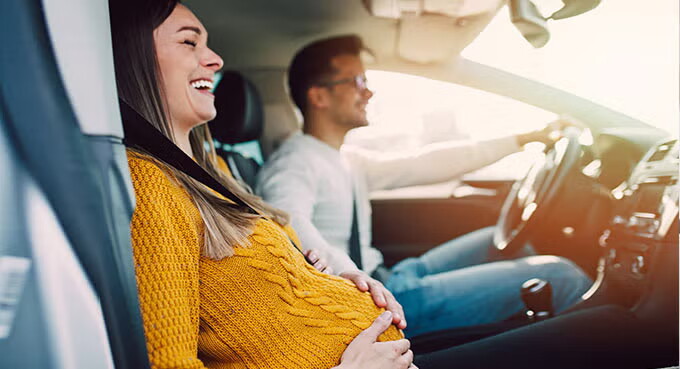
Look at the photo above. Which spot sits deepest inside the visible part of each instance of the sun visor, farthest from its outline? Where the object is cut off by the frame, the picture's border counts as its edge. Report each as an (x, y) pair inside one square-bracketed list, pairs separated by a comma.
[(396, 9), (432, 31)]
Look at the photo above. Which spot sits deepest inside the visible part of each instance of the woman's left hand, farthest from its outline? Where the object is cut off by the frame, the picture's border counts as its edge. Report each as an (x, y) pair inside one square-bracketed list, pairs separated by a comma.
[(381, 296), (317, 262)]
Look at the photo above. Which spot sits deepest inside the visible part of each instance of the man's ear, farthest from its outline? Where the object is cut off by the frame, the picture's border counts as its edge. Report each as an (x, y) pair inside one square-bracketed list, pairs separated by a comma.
[(317, 97)]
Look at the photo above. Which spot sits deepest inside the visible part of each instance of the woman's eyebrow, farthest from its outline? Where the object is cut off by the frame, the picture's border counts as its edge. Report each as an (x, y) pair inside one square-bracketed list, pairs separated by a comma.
[(190, 28)]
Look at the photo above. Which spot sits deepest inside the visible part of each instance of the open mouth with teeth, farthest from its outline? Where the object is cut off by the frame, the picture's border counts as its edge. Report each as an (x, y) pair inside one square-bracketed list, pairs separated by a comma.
[(202, 85)]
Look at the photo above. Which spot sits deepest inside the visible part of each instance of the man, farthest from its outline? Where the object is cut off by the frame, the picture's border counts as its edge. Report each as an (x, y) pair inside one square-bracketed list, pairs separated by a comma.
[(325, 190)]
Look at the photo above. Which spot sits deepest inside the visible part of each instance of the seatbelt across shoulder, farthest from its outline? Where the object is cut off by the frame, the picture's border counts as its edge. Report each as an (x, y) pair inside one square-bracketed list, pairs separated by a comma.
[(140, 134), (354, 240)]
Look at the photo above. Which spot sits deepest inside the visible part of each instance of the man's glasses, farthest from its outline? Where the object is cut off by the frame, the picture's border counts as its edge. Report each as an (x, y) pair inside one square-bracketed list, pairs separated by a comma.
[(359, 82)]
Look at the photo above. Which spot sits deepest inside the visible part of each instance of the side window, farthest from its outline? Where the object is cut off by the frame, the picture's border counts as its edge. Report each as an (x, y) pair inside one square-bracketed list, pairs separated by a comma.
[(408, 112), (250, 149)]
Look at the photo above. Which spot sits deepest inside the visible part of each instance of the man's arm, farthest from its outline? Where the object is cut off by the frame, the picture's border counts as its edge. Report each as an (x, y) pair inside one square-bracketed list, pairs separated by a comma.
[(433, 163), (444, 161), (293, 189)]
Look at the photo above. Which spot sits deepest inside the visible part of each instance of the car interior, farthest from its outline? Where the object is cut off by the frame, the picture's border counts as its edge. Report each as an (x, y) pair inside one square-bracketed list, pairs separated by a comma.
[(241, 120), (606, 193)]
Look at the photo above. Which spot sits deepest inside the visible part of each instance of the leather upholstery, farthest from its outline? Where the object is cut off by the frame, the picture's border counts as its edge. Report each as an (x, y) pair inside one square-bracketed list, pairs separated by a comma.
[(239, 110), (239, 119)]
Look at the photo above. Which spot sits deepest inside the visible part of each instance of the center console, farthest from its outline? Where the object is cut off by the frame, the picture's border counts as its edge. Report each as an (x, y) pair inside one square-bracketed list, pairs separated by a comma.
[(640, 231)]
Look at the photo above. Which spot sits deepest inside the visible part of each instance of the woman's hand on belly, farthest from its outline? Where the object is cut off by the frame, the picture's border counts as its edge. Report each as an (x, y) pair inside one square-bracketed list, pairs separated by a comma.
[(382, 297), (365, 352)]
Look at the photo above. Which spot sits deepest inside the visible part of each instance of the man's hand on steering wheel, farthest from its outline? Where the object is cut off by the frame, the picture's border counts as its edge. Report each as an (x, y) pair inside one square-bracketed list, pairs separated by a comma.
[(550, 133)]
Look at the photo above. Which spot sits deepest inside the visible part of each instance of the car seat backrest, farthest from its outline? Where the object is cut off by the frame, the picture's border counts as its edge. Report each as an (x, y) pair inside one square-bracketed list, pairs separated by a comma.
[(239, 119), (71, 195)]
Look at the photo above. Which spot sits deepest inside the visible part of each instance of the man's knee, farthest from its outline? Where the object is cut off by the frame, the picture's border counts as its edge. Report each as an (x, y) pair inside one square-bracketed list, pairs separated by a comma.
[(570, 270), (555, 268)]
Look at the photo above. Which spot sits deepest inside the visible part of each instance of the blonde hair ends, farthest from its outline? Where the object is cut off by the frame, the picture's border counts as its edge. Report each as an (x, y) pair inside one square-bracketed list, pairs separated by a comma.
[(225, 226)]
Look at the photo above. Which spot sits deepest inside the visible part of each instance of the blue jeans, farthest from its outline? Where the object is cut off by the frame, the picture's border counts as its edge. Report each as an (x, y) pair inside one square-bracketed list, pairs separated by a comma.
[(467, 281)]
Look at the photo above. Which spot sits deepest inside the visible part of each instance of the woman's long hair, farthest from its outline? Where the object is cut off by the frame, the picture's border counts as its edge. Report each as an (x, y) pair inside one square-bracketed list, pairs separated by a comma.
[(139, 84)]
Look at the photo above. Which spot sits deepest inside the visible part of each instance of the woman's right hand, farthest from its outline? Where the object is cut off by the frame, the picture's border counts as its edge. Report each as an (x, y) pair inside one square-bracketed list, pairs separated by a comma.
[(365, 352)]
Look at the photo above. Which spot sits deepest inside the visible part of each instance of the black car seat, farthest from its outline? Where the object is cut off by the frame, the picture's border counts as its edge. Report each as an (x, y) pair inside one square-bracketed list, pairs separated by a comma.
[(239, 119)]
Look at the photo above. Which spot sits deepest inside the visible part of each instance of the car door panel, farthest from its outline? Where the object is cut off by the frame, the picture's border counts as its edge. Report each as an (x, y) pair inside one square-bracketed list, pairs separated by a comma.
[(407, 227)]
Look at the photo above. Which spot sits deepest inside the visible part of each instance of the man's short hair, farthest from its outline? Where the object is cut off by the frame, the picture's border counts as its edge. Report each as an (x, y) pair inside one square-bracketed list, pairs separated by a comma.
[(312, 64)]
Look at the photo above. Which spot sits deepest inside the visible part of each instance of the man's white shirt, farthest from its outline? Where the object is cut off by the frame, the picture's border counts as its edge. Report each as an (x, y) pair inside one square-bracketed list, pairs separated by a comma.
[(315, 183)]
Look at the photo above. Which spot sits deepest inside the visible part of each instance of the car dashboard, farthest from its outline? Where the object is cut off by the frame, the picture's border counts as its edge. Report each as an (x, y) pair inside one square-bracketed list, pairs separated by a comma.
[(643, 228)]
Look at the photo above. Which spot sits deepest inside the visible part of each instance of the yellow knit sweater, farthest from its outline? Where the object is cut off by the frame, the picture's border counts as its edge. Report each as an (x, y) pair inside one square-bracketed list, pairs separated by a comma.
[(264, 307)]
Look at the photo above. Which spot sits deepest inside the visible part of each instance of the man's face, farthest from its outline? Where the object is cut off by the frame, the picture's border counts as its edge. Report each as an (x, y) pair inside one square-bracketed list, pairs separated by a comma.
[(347, 103)]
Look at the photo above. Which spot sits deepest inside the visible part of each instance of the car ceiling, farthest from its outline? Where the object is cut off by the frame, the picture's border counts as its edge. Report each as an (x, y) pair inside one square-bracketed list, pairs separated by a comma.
[(254, 36), (257, 34)]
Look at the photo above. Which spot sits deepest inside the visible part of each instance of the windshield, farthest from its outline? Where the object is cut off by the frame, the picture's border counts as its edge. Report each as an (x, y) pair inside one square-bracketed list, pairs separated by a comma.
[(623, 55)]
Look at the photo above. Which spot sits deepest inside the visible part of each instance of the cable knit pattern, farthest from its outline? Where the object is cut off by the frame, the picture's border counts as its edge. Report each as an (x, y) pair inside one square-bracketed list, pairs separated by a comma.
[(264, 307)]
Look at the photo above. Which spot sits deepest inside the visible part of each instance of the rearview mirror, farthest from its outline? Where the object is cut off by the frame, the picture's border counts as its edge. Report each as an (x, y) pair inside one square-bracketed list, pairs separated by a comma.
[(573, 8), (529, 21), (533, 25)]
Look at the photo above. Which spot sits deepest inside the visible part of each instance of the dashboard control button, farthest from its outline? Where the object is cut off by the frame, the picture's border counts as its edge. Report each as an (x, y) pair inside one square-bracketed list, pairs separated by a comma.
[(639, 265)]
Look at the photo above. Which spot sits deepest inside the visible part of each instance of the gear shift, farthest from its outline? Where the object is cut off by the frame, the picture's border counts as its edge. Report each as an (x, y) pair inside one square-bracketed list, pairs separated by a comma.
[(537, 297)]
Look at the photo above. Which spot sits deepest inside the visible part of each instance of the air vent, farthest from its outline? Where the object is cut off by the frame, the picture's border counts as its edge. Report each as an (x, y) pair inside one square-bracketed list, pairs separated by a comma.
[(661, 151), (665, 180)]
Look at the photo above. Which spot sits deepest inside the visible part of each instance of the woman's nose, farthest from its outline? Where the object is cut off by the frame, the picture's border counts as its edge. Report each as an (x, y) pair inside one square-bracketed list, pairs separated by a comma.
[(212, 60)]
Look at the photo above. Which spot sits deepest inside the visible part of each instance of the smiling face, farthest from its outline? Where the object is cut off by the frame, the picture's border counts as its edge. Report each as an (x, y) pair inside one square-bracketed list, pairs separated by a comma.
[(347, 105), (187, 68)]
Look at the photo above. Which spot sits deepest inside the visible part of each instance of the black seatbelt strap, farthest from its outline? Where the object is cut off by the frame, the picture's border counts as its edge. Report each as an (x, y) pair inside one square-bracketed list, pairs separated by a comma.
[(140, 134), (354, 241)]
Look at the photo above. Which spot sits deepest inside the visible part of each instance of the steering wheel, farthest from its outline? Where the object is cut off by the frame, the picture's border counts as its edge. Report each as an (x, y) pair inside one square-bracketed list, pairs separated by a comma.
[(532, 197)]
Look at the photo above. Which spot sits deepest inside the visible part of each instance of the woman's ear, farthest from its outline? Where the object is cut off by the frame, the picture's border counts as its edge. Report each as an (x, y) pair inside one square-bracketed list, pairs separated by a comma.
[(317, 97)]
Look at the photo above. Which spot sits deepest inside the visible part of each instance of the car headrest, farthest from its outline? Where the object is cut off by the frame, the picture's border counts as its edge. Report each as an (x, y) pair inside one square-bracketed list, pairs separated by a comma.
[(239, 110)]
